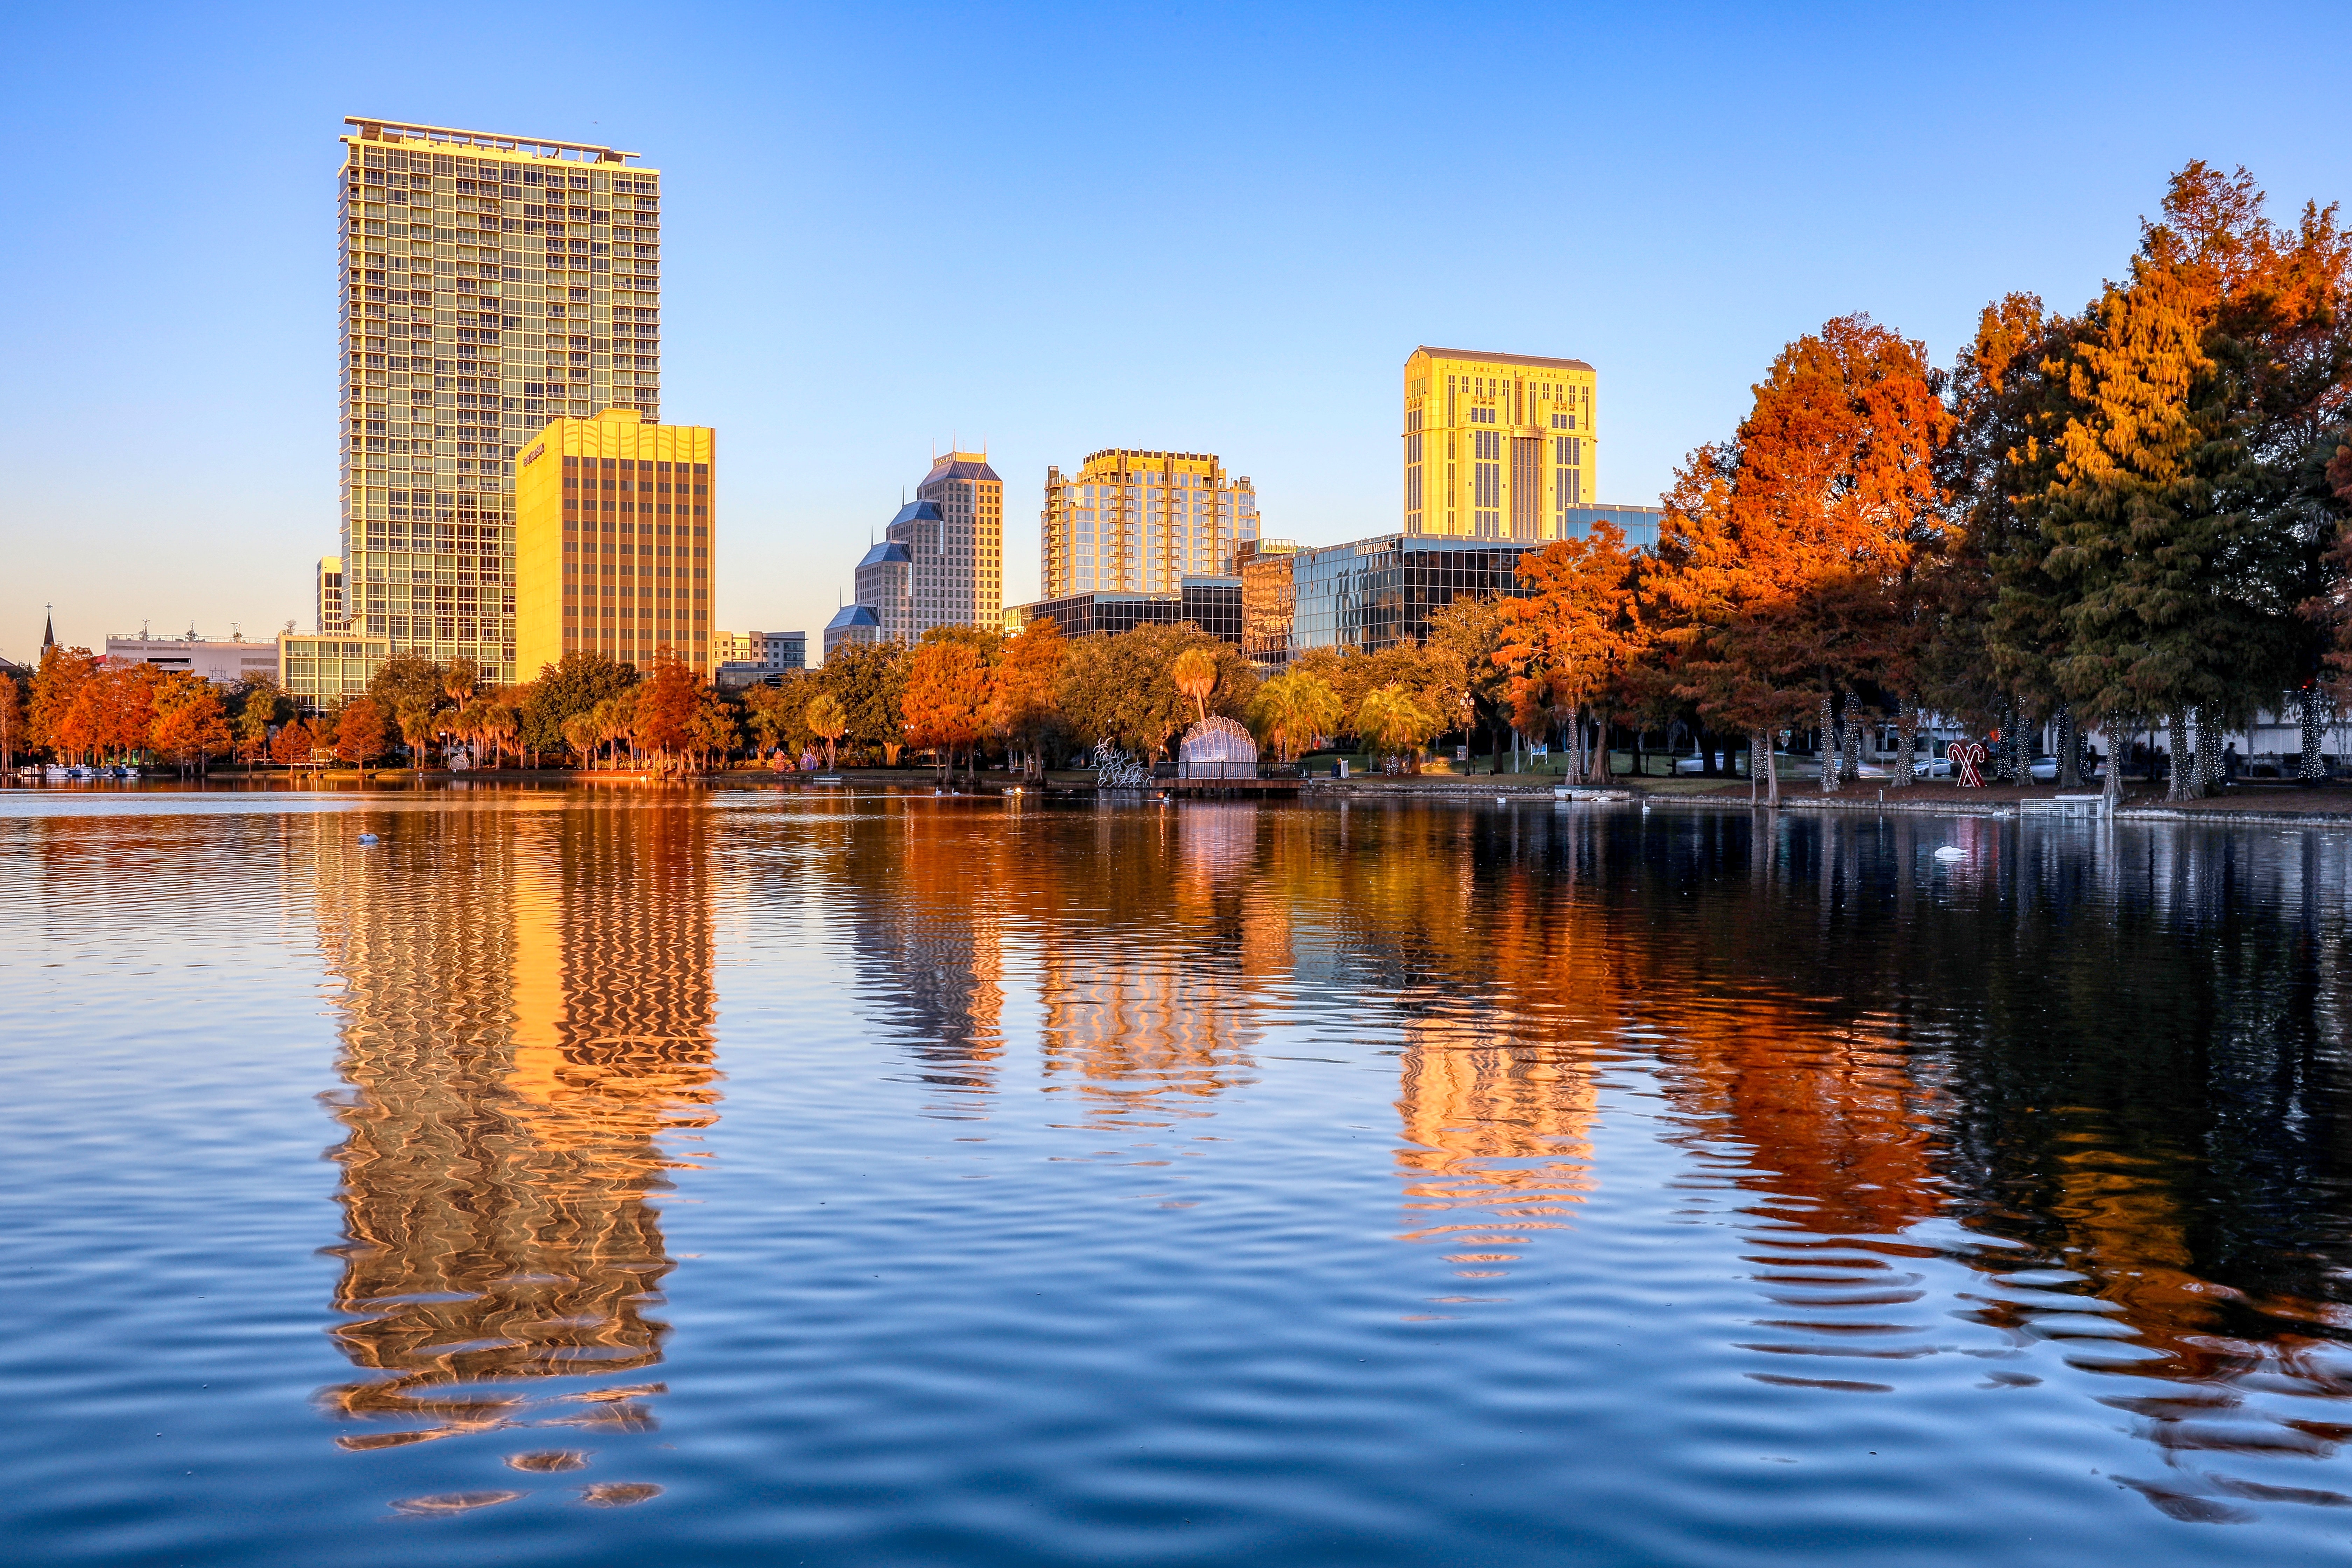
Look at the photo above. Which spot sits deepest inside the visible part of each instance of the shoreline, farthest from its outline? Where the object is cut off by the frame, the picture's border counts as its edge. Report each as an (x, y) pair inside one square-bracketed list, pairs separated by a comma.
[(2328, 805)]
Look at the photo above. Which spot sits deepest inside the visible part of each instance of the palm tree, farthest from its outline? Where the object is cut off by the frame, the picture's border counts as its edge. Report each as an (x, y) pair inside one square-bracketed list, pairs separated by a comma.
[(419, 722), (1295, 711), (583, 734), (826, 720), (1195, 672), (496, 723), (1395, 721)]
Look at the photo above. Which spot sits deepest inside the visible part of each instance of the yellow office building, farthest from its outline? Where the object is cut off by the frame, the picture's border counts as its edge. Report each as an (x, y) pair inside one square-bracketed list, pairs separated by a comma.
[(1497, 445), (614, 541)]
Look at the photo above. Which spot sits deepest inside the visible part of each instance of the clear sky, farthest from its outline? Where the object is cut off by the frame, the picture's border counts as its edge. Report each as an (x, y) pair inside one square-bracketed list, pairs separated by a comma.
[(1049, 229)]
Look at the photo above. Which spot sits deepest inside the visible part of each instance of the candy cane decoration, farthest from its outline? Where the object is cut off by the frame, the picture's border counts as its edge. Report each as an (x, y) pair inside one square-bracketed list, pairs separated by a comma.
[(1966, 756)]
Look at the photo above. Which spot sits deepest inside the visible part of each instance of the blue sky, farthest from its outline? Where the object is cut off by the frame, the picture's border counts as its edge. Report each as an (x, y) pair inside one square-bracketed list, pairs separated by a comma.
[(1048, 229)]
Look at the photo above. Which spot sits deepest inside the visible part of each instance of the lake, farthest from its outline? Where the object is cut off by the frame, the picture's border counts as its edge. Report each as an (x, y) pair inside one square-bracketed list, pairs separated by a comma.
[(749, 1177)]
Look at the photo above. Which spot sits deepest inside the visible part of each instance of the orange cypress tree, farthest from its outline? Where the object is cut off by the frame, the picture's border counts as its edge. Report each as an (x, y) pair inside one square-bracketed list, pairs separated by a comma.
[(1574, 633), (360, 732), (947, 701), (55, 687), (1021, 697), (667, 705), (191, 725), (1830, 477), (293, 743)]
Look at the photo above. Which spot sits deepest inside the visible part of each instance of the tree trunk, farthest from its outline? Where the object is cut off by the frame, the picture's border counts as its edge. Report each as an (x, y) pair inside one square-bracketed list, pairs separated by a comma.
[(1906, 740), (2114, 781), (2314, 766), (2209, 751), (2180, 772), (1830, 748), (1851, 768), (2068, 747)]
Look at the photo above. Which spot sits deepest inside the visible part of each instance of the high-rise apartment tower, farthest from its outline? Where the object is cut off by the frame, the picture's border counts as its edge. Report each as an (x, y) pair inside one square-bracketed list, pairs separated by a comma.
[(1497, 445), (1132, 521), (489, 284), (615, 541)]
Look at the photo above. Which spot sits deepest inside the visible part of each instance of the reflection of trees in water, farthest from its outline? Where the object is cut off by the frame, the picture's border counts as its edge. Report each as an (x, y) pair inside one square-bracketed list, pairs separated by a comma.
[(2121, 1050), (2154, 1103), (527, 1008)]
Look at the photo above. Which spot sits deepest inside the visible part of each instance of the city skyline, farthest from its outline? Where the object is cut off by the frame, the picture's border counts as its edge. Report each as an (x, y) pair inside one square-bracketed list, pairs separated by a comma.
[(1683, 259)]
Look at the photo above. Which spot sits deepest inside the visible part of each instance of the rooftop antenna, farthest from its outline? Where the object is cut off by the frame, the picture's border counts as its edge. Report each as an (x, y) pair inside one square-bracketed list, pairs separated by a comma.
[(142, 630)]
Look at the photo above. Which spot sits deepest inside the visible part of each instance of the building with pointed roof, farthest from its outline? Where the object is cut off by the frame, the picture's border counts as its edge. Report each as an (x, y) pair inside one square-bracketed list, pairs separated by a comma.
[(851, 624), (885, 584), (940, 561)]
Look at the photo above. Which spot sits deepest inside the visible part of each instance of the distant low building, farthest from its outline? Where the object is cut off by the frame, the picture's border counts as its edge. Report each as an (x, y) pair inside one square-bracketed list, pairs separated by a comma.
[(1211, 603), (781, 651), (222, 663), (748, 658), (852, 624), (321, 669)]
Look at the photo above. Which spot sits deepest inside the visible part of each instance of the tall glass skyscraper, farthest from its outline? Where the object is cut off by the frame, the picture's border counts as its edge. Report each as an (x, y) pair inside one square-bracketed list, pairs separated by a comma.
[(489, 284)]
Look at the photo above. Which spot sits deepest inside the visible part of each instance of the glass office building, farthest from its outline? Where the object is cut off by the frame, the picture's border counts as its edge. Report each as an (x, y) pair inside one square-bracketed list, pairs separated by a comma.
[(1378, 593), (1211, 603)]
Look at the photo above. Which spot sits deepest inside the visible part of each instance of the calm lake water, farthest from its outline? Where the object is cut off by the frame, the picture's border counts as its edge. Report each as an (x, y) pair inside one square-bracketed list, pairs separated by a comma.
[(747, 1177)]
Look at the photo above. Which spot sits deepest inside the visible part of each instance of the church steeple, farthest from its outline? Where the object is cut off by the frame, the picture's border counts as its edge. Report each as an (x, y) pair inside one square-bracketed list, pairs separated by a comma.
[(48, 627)]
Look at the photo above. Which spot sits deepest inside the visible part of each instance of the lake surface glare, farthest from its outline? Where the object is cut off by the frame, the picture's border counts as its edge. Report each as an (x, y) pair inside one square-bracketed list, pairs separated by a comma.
[(748, 1176)]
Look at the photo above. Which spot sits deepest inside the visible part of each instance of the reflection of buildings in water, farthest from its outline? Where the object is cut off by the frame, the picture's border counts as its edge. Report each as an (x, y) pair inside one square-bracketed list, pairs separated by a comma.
[(1140, 1029), (929, 938), (1155, 1013), (527, 1008), (1495, 1122)]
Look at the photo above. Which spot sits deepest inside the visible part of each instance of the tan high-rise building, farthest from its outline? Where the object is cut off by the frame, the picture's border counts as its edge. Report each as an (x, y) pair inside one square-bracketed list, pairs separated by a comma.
[(1497, 445), (969, 541), (489, 283), (616, 542), (1132, 521)]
